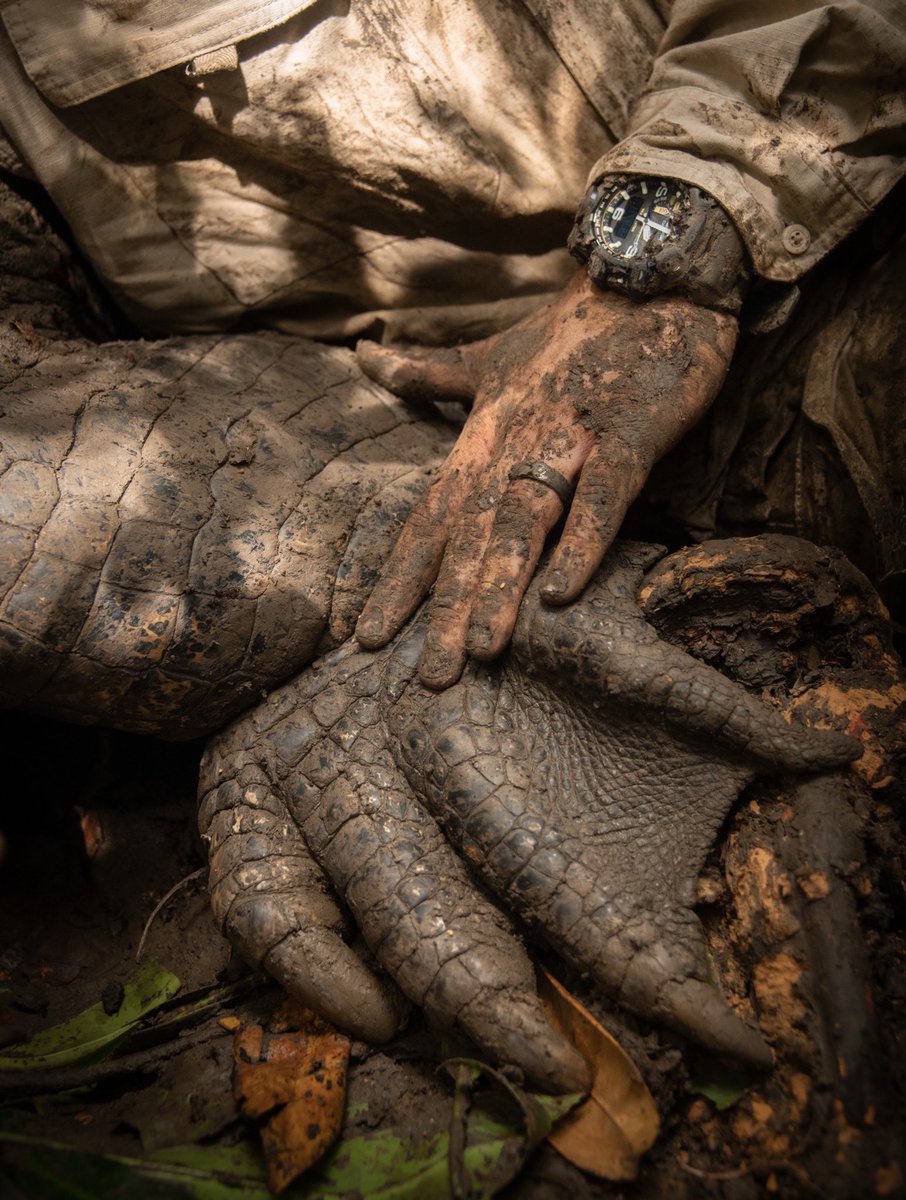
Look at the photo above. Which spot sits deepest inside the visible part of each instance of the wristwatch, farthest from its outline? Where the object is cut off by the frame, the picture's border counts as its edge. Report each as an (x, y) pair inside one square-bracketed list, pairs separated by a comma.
[(644, 235)]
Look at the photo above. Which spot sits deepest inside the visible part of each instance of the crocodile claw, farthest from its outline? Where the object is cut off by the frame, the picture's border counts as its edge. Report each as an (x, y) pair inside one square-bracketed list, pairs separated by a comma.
[(583, 779)]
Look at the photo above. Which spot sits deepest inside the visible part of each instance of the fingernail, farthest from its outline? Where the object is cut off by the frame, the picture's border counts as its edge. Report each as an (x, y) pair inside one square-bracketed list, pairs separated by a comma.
[(554, 585), (478, 641), (370, 625), (438, 668)]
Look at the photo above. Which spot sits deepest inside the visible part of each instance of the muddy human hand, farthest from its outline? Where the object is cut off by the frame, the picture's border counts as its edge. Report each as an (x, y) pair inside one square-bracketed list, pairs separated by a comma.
[(596, 388)]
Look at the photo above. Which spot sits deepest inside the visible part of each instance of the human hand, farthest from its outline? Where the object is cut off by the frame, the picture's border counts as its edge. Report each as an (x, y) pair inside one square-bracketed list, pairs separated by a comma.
[(596, 387)]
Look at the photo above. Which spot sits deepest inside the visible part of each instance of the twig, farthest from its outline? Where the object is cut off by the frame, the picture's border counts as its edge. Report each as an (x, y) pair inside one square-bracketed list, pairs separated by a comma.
[(699, 1173), (60, 1079), (160, 904), (756, 1168), (462, 1098)]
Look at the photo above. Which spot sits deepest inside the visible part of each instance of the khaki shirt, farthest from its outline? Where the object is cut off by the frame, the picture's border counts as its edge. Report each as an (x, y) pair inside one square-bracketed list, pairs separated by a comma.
[(792, 115), (412, 168)]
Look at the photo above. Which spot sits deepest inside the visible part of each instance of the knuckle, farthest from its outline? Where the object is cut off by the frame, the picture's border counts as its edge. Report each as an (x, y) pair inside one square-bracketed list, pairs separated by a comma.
[(422, 521), (619, 450), (450, 598)]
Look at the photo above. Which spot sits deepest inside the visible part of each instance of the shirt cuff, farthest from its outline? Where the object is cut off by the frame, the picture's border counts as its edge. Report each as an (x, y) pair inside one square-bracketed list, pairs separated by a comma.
[(790, 196)]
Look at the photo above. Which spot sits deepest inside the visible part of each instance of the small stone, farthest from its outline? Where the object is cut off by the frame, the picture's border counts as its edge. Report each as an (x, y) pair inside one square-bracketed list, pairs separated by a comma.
[(112, 998)]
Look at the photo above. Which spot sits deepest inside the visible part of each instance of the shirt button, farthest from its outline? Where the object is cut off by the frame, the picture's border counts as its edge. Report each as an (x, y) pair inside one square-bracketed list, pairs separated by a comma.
[(796, 239)]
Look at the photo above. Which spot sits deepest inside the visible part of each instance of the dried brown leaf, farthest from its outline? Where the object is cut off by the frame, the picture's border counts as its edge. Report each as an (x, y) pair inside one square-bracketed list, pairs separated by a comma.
[(607, 1133), (291, 1075), (94, 835)]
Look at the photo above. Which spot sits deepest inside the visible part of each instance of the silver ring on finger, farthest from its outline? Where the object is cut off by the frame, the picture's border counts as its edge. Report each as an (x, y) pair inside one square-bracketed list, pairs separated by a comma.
[(542, 472)]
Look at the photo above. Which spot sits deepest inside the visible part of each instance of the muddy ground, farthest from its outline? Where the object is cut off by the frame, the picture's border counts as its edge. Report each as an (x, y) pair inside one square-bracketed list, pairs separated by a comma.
[(99, 826)]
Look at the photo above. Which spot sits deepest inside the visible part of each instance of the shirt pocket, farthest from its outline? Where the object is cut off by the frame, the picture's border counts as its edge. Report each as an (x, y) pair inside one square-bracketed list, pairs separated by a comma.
[(73, 50)]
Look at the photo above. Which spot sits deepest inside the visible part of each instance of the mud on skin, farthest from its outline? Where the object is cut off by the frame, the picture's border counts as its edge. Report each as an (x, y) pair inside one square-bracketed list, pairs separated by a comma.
[(187, 522), (595, 386)]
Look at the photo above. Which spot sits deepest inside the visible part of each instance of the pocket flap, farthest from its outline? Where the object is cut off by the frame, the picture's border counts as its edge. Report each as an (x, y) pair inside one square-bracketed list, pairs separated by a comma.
[(74, 50)]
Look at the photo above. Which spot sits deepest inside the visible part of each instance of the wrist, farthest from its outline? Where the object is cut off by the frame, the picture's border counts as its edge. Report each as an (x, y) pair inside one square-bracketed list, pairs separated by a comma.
[(646, 236)]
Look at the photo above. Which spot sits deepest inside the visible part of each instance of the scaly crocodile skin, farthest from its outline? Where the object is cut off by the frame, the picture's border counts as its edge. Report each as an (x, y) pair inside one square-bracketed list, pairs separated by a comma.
[(188, 522), (185, 523), (584, 779)]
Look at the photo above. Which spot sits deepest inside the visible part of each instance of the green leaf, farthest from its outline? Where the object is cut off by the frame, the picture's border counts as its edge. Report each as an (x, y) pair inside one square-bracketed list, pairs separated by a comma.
[(44, 1170), (375, 1166), (383, 1166), (722, 1085), (92, 1034), (171, 1016)]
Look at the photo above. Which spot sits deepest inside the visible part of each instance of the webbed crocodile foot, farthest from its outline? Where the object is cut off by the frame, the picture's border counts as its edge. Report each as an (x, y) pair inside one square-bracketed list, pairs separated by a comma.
[(582, 779)]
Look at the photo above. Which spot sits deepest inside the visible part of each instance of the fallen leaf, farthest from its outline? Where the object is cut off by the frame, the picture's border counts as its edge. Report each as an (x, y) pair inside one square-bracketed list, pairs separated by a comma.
[(292, 1076), (609, 1131), (535, 1116), (191, 1008), (93, 1034), (720, 1084)]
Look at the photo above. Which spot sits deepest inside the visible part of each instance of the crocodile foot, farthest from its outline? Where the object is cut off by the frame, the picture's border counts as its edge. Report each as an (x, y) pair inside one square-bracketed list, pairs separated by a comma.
[(582, 780)]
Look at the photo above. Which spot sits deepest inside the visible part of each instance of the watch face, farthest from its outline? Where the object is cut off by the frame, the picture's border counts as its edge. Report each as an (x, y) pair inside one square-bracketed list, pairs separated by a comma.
[(641, 213)]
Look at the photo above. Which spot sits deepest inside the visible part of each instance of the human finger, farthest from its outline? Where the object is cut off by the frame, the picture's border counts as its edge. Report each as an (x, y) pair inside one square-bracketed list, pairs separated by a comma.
[(408, 573), (443, 655), (612, 476), (415, 559), (527, 513), (422, 375)]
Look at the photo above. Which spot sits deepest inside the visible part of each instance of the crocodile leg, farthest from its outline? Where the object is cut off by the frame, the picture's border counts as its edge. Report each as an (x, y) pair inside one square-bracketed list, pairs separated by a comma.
[(583, 780), (318, 749)]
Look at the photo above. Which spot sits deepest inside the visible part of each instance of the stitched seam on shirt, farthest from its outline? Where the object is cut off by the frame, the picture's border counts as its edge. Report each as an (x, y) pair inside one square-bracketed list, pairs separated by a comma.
[(107, 78)]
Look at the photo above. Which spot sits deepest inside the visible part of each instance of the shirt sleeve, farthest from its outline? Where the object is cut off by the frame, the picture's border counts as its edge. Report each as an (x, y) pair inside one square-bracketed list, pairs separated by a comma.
[(792, 115)]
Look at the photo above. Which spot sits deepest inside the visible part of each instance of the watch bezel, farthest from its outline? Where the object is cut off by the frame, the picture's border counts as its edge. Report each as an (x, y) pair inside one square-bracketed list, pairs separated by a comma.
[(614, 200), (705, 258), (660, 265)]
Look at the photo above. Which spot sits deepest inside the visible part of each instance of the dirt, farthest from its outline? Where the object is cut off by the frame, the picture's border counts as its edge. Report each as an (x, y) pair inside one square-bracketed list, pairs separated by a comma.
[(103, 825)]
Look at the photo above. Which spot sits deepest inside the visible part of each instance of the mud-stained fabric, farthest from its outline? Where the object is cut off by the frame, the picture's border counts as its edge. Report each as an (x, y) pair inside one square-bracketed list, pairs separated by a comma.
[(375, 163), (413, 168), (74, 51), (792, 115), (808, 434)]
